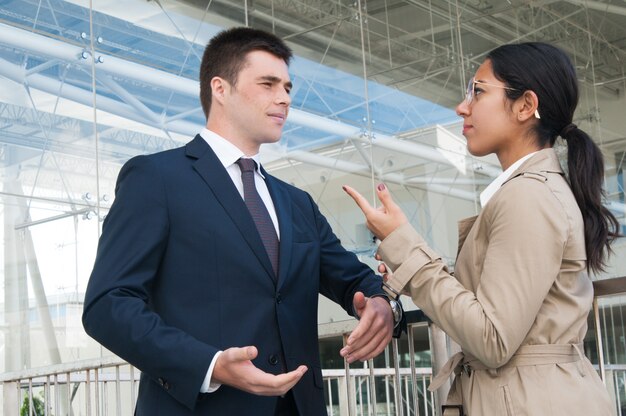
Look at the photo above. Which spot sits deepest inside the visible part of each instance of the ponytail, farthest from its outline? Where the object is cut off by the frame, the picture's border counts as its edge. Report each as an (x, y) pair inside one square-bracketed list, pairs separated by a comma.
[(586, 173)]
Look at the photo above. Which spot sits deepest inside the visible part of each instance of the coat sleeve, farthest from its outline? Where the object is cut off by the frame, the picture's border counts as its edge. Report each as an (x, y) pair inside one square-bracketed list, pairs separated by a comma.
[(527, 233), (117, 310)]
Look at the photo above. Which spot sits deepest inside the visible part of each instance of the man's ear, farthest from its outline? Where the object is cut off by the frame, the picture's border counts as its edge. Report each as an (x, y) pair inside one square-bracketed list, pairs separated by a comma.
[(526, 106), (219, 86)]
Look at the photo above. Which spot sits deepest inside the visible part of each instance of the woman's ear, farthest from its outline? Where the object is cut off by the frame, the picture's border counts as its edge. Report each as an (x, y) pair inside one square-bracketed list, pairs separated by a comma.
[(526, 106)]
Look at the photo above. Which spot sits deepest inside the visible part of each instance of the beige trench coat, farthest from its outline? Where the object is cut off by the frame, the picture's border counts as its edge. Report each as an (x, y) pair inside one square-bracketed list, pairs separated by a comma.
[(518, 301)]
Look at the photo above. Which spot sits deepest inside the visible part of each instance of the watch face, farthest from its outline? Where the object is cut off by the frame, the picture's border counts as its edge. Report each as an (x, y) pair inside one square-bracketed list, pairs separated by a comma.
[(395, 310)]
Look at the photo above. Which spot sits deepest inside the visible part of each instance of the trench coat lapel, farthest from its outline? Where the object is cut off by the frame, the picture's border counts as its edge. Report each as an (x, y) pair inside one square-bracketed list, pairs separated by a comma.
[(465, 226)]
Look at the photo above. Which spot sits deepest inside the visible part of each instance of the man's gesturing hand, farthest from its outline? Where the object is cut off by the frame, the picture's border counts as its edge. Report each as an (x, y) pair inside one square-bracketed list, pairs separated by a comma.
[(374, 330), (234, 368)]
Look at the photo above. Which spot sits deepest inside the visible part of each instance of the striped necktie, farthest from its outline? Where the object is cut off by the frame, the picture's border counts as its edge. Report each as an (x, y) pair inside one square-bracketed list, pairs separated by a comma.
[(258, 210)]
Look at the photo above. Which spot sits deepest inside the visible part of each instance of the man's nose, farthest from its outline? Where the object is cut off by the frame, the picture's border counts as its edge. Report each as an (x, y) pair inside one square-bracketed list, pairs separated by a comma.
[(284, 98)]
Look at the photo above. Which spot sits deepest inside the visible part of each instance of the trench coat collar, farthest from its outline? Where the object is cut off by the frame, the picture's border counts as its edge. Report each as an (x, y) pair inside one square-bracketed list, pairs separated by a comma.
[(544, 161)]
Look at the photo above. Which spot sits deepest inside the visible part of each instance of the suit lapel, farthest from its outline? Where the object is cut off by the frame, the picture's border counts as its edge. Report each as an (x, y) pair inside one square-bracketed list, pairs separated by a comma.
[(283, 207), (213, 173)]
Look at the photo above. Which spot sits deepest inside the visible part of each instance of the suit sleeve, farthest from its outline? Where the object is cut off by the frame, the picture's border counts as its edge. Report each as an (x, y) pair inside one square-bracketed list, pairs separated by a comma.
[(341, 272), (526, 236), (117, 311)]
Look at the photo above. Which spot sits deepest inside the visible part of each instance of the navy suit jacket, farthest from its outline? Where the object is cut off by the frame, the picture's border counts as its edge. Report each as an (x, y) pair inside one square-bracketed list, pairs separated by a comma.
[(181, 273)]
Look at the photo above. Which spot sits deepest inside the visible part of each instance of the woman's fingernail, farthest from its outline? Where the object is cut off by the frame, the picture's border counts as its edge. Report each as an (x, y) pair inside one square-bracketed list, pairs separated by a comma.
[(381, 187), (343, 187)]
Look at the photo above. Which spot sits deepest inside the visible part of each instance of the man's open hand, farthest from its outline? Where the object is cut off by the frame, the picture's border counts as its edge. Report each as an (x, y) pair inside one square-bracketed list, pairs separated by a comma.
[(234, 368)]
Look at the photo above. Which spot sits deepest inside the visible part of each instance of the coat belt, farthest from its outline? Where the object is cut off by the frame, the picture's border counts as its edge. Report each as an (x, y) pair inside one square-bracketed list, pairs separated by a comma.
[(526, 355)]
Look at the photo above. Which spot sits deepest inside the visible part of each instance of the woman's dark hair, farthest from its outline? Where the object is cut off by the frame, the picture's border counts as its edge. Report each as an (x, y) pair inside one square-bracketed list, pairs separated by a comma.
[(225, 55), (548, 72)]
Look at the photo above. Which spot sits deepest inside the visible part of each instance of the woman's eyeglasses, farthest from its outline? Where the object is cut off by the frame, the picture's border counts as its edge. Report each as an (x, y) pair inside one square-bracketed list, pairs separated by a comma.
[(471, 89)]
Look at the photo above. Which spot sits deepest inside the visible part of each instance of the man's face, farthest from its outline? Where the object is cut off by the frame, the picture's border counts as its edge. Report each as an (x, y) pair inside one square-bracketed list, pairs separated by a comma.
[(257, 106)]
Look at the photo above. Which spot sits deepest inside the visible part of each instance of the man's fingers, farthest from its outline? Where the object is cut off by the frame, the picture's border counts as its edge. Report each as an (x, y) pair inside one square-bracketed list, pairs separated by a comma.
[(359, 199), (370, 347), (375, 350), (289, 379), (295, 375), (359, 302), (248, 353), (362, 328), (276, 385), (356, 337)]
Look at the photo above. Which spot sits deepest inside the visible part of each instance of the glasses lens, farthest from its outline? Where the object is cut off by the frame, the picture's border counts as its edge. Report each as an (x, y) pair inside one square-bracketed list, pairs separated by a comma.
[(469, 93)]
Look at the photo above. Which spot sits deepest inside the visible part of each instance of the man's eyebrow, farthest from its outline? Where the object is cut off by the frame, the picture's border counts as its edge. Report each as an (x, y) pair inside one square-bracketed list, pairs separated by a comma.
[(275, 80)]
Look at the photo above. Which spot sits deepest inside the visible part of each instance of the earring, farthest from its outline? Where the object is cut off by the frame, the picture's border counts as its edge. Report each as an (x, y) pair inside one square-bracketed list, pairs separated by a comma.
[(537, 114)]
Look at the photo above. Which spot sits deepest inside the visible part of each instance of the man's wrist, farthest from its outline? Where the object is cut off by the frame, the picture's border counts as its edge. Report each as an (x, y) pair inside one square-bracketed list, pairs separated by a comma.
[(209, 385), (396, 308)]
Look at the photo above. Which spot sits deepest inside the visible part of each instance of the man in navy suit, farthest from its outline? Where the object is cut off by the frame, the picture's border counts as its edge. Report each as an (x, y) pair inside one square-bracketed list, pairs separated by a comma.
[(186, 286)]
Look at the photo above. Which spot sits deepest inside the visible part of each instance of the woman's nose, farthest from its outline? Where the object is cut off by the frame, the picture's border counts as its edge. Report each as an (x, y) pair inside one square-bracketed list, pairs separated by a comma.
[(462, 109)]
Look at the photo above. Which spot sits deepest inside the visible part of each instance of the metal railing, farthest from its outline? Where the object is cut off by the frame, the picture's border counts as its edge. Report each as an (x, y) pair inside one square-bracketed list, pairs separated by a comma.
[(108, 386), (105, 386), (362, 403)]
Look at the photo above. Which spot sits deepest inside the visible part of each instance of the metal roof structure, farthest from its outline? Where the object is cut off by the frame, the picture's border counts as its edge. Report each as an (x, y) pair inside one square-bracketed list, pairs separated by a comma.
[(142, 62)]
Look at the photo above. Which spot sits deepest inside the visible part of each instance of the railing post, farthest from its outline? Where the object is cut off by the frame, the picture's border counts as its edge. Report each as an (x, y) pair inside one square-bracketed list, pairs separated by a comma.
[(118, 396), (88, 392), (397, 385), (414, 391), (330, 397), (372, 388), (68, 393), (46, 396), (30, 397), (349, 387), (132, 388), (10, 398)]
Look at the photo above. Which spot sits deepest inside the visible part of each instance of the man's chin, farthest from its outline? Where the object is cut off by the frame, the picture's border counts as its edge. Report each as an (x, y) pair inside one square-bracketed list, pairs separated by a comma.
[(270, 140)]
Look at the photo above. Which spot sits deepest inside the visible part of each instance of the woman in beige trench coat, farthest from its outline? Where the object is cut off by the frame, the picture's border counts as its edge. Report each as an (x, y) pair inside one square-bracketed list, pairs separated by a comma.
[(520, 295)]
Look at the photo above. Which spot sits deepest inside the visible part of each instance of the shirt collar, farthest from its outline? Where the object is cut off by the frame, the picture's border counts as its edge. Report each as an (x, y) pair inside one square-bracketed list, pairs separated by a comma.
[(493, 187), (227, 152)]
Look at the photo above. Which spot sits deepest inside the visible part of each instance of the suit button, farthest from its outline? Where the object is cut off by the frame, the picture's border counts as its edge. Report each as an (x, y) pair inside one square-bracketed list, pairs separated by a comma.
[(163, 383), (279, 298), (272, 359)]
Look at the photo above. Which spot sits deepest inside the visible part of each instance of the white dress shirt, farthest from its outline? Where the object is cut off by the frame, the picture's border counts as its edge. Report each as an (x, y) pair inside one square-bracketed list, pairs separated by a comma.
[(228, 154), (493, 187)]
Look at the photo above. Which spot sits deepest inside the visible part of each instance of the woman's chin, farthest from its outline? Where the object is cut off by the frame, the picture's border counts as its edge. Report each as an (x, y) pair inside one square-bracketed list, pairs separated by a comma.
[(476, 152)]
